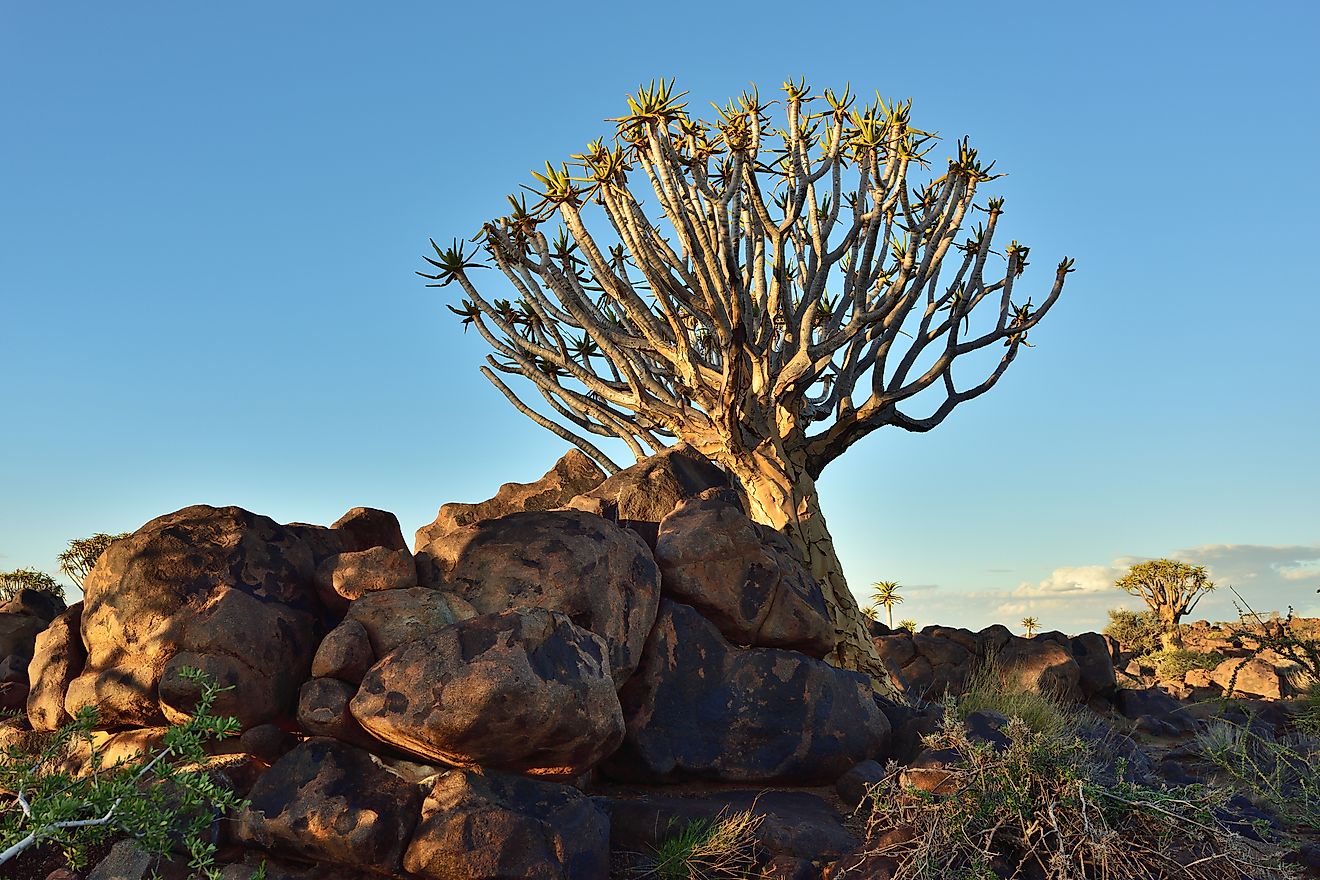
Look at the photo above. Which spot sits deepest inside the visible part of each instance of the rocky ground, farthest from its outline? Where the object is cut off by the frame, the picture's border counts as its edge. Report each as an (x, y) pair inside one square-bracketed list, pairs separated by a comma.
[(559, 681)]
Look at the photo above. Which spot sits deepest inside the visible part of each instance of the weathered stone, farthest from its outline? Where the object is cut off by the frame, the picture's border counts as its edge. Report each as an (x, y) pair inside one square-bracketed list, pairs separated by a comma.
[(501, 827), (58, 658), (743, 577), (792, 824), (699, 708), (1094, 664), (345, 653), (571, 475), (526, 691), (216, 582), (1248, 677), (323, 711), (639, 497), (395, 617), (268, 742), (365, 528), (34, 603), (1041, 667), (854, 786), (601, 576), (343, 577), (327, 801), (14, 669), (13, 696), (934, 770), (1133, 703), (18, 631)]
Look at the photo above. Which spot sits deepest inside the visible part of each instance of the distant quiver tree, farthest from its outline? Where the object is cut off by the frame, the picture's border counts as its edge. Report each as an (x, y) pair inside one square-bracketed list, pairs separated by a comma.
[(1171, 589), (769, 292), (80, 557)]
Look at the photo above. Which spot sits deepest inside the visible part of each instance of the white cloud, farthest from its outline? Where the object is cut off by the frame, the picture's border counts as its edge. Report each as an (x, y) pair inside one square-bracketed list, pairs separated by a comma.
[(1073, 580)]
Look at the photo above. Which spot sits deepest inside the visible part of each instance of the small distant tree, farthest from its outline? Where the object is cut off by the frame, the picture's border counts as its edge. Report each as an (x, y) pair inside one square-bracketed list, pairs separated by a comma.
[(78, 560), (908, 624), (1031, 625), (1171, 589), (768, 291), (885, 595), (870, 612), (13, 582)]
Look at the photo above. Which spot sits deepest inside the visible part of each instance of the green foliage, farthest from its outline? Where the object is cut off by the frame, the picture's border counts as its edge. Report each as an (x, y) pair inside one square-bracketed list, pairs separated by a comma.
[(80, 557), (13, 582), (989, 690), (164, 799), (1278, 770), (1031, 625), (1137, 631), (908, 624), (1169, 588), (1308, 720), (1174, 663), (1046, 807), (708, 849)]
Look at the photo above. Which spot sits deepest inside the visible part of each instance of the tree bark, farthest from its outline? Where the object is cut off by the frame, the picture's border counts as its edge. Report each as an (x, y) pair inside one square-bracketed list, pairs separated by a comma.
[(783, 495)]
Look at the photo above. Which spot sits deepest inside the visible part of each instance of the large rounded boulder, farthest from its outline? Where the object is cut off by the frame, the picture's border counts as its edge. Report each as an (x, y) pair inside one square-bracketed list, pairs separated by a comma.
[(702, 709), (600, 575), (495, 826), (220, 589), (743, 577), (525, 690)]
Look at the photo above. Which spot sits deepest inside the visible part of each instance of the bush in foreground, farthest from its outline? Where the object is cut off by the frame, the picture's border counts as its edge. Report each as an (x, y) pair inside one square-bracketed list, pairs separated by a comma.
[(1042, 809), (164, 800)]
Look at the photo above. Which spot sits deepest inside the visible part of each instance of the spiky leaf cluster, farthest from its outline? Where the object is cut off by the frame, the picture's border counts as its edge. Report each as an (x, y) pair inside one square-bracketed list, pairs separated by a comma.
[(748, 276)]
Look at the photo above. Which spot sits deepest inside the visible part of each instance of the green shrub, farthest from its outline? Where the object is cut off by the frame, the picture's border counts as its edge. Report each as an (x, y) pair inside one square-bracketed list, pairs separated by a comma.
[(1308, 720), (1174, 663), (163, 799), (723, 847), (1045, 807), (989, 690), (1136, 631)]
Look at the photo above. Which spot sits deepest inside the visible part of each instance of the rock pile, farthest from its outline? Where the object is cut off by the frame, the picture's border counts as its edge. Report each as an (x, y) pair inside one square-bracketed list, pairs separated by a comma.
[(447, 712)]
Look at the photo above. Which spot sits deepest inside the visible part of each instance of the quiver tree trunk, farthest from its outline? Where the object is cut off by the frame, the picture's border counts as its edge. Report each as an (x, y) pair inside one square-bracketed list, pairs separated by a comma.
[(783, 496)]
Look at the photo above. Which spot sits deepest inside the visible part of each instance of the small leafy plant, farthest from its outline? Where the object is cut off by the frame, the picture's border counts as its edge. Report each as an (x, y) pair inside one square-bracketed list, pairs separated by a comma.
[(1136, 631), (1279, 770), (1175, 663), (164, 799)]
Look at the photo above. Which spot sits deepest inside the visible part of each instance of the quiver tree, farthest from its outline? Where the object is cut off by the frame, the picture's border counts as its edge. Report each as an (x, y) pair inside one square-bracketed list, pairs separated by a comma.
[(767, 292), (81, 556), (1170, 588)]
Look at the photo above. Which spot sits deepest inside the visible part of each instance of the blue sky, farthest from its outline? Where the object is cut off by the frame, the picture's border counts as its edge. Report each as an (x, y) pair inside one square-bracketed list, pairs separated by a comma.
[(210, 216)]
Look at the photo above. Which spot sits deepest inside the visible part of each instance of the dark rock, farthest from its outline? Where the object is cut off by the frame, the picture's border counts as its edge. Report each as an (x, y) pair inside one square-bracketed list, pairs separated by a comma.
[(987, 727), (34, 603), (1096, 668), (58, 658), (1041, 666), (366, 528), (572, 475), (601, 576), (853, 786), (743, 577), (14, 669), (699, 708), (13, 696), (502, 827), (323, 711), (639, 497), (268, 742), (525, 690), (229, 588), (327, 801), (793, 824), (345, 653)]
